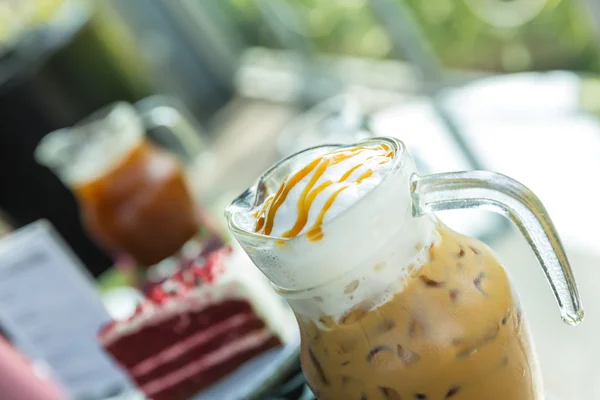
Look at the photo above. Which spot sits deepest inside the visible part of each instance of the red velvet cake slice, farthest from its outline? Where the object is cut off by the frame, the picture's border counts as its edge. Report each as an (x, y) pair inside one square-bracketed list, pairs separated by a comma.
[(198, 326)]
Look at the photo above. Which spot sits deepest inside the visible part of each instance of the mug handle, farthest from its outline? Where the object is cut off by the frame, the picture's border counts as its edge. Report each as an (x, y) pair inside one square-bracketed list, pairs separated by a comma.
[(169, 124), (504, 195)]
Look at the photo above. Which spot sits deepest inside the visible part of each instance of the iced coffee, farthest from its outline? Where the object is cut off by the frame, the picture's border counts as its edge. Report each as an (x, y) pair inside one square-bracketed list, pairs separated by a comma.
[(454, 332), (391, 303), (133, 196), (142, 205)]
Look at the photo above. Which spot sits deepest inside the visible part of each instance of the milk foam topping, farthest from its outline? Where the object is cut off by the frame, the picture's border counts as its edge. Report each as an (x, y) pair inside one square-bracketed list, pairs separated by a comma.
[(321, 190), (342, 230)]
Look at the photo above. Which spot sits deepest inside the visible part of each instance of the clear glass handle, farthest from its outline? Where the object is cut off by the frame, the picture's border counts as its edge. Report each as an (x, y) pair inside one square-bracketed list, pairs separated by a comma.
[(169, 123), (499, 193)]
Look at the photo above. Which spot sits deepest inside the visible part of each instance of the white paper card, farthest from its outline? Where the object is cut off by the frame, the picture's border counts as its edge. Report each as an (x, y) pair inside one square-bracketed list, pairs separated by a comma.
[(50, 308)]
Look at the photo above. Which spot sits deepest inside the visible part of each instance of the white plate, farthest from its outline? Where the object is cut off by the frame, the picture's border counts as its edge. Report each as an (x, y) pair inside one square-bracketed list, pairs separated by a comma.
[(255, 376)]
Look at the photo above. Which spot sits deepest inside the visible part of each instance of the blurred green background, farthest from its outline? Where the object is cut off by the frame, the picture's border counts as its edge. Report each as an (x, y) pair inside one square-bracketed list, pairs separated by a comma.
[(490, 35), (485, 35)]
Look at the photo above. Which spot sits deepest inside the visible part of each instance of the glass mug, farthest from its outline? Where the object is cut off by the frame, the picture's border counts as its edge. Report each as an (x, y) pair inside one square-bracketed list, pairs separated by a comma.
[(375, 324), (133, 195)]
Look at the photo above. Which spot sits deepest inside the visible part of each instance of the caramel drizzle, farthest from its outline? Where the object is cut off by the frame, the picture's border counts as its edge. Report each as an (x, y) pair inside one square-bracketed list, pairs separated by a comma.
[(260, 217), (266, 216)]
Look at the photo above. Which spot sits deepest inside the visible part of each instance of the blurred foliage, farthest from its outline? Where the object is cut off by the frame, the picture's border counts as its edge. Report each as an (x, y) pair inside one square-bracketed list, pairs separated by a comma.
[(17, 16), (557, 35), (492, 35), (104, 45)]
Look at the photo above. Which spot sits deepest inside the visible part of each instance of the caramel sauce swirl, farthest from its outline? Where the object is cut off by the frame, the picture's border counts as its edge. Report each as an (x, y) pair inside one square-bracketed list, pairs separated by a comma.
[(265, 218)]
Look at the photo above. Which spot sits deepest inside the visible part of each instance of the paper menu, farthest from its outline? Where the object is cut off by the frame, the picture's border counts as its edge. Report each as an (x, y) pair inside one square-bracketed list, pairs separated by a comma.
[(50, 308)]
